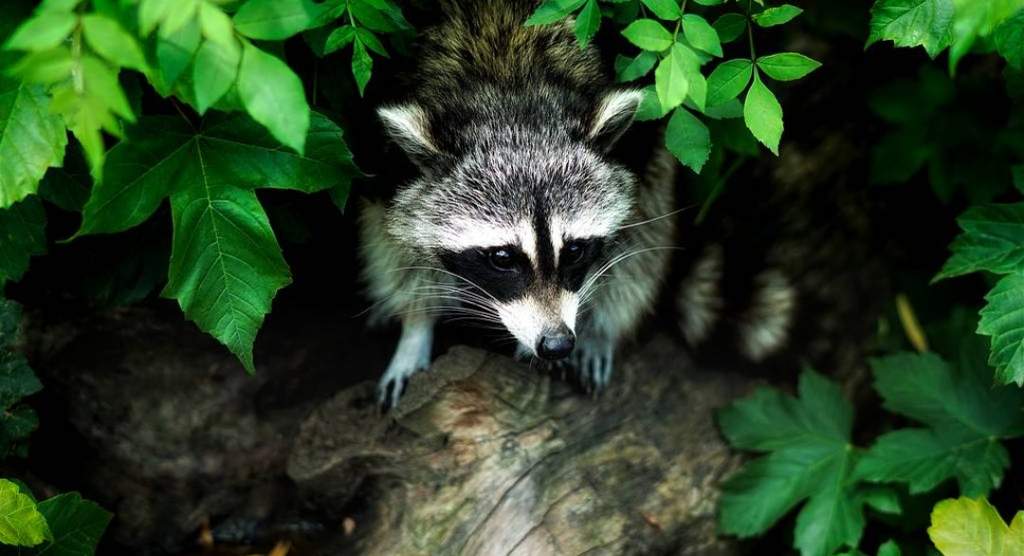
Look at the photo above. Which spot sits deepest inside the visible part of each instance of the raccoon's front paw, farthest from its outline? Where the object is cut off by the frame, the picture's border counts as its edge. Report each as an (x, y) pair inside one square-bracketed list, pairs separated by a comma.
[(593, 362), (392, 385)]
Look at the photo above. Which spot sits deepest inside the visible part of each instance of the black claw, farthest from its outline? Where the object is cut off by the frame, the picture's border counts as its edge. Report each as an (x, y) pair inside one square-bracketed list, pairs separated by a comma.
[(385, 404)]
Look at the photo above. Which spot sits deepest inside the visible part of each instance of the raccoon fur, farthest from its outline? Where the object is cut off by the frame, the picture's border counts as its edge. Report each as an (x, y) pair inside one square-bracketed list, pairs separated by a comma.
[(522, 213)]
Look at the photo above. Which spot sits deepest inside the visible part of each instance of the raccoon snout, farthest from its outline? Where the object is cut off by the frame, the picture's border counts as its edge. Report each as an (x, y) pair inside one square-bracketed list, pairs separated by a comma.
[(556, 344)]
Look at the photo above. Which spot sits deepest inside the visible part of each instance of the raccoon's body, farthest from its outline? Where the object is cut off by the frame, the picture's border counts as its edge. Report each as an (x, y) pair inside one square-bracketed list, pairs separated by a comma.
[(522, 212)]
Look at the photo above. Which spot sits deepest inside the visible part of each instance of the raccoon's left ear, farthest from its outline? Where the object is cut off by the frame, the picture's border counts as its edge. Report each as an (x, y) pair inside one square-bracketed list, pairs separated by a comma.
[(614, 114), (408, 125)]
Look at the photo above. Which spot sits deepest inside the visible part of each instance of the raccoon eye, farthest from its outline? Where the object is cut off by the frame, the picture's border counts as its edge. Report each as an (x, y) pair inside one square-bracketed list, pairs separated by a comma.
[(501, 259), (574, 252)]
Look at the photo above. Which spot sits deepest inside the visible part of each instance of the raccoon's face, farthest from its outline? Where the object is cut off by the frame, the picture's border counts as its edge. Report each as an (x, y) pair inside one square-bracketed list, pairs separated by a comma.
[(524, 218)]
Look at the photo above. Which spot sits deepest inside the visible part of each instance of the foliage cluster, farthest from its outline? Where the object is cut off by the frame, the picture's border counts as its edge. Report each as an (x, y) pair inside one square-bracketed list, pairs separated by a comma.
[(64, 524), (201, 103), (950, 416)]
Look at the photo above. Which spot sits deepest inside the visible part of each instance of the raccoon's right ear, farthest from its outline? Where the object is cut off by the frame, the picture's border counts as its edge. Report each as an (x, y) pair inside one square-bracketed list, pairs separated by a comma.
[(614, 115), (408, 125)]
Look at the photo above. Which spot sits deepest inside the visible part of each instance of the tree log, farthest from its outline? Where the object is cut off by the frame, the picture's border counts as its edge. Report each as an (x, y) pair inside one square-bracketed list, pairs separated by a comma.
[(486, 456)]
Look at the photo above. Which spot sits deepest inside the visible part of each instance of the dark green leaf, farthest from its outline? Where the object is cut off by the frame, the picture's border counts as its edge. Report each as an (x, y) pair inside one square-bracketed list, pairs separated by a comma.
[(174, 54), (688, 139), (926, 23), (274, 96), (22, 236), (1009, 39), (362, 66), (730, 26), (77, 525), (787, 66), (553, 10), (339, 38), (638, 67), (650, 106), (966, 417), (1003, 320), (164, 156), (588, 22), (992, 240), (370, 41), (226, 266), (810, 457)]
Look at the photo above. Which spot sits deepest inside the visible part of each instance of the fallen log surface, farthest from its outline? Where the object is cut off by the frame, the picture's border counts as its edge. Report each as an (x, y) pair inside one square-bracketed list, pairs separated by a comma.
[(486, 456)]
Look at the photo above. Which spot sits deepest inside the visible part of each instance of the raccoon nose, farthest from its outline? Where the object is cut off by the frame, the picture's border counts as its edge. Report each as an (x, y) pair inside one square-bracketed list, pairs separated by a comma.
[(556, 345)]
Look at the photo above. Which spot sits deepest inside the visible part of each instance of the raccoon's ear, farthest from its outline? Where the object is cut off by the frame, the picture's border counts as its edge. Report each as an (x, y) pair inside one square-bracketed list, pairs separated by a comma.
[(407, 124), (614, 114)]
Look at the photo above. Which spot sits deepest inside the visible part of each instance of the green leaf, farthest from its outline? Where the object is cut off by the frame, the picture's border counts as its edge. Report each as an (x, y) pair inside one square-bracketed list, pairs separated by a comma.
[(992, 240), (587, 22), (787, 66), (174, 54), (889, 548), (966, 416), (776, 15), (966, 527), (701, 34), (77, 525), (670, 78), (32, 139), (217, 26), (730, 26), (163, 156), (1003, 320), (339, 38), (45, 30), (664, 9), (21, 524), (650, 107), (926, 23), (362, 66), (276, 20), (108, 39), (23, 235), (213, 73), (226, 266), (370, 41), (810, 458), (553, 10), (648, 34), (728, 80), (273, 95), (637, 67), (1009, 39), (371, 17), (688, 139), (763, 115)]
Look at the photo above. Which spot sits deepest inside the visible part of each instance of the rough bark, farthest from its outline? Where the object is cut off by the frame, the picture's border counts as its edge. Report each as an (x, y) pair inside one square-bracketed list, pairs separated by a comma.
[(485, 456), (482, 456)]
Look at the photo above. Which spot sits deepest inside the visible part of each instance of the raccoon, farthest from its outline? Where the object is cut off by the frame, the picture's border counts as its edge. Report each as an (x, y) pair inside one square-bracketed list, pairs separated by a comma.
[(524, 215)]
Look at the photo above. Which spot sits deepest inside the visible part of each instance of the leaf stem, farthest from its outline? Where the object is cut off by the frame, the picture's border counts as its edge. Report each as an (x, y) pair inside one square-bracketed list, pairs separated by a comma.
[(77, 78), (750, 34)]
